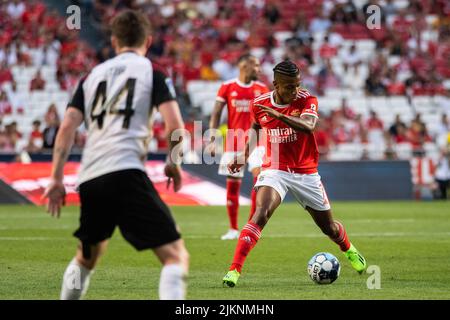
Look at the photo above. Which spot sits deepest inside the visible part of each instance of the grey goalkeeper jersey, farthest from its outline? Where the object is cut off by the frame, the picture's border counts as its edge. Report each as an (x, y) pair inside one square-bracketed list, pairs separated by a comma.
[(116, 98)]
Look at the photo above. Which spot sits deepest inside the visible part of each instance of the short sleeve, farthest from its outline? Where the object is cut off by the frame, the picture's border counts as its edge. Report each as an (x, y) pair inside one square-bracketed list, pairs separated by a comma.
[(222, 94), (264, 89), (253, 114), (311, 107), (163, 89), (77, 100)]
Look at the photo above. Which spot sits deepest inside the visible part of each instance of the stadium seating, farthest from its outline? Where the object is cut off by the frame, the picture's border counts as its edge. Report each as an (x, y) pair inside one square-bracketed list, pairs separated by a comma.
[(352, 82)]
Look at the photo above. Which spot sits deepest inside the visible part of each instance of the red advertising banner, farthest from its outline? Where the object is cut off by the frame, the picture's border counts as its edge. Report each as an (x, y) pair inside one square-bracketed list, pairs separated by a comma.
[(32, 179)]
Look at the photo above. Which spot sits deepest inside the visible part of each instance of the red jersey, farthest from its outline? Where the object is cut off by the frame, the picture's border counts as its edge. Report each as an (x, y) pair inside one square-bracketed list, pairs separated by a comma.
[(286, 148), (237, 96)]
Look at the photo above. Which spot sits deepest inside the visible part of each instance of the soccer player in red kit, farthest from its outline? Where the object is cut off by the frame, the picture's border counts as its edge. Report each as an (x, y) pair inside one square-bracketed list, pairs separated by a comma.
[(237, 95), (288, 117)]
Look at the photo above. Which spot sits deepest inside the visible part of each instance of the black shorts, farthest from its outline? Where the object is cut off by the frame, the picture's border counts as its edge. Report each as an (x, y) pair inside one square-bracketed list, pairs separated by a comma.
[(129, 200)]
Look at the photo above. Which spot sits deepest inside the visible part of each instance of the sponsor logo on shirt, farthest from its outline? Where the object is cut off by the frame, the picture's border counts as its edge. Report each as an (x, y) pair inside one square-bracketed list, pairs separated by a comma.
[(295, 113), (241, 105), (281, 135)]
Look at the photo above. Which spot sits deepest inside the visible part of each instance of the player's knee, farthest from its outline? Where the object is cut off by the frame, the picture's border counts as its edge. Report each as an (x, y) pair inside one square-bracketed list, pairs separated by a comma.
[(183, 256), (261, 216), (88, 263), (176, 254)]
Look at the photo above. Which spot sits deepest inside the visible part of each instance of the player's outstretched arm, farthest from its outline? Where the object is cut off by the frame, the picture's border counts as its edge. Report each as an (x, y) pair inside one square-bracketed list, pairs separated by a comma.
[(55, 191), (241, 159), (174, 124), (216, 114), (214, 124), (306, 123)]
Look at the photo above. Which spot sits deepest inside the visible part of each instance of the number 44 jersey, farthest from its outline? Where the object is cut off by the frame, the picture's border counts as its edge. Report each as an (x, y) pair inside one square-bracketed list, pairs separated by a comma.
[(116, 98)]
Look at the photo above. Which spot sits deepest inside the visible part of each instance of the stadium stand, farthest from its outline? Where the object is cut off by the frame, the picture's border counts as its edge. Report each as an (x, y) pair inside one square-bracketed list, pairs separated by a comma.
[(402, 68)]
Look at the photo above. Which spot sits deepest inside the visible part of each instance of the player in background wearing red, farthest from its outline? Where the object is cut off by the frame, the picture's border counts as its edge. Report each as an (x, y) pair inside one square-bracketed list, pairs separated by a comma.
[(237, 95), (288, 116)]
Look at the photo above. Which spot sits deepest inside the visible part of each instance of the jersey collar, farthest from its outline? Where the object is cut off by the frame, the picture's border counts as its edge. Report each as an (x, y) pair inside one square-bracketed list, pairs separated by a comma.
[(244, 85), (272, 101)]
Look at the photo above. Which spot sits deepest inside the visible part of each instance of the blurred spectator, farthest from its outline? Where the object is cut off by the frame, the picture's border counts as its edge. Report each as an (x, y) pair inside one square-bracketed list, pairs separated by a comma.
[(327, 50), (208, 8), (397, 130), (323, 139), (393, 85), (36, 139), (301, 29), (442, 174), (5, 105), (340, 133), (37, 83), (345, 112), (417, 134), (207, 73), (12, 136), (271, 13), (389, 8), (442, 131), (352, 59), (344, 12), (52, 126), (375, 86), (48, 54), (319, 23), (15, 97), (375, 129), (5, 73), (327, 78), (15, 9)]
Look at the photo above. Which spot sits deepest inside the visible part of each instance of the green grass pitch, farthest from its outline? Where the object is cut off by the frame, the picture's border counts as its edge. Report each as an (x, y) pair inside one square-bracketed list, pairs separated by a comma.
[(409, 241)]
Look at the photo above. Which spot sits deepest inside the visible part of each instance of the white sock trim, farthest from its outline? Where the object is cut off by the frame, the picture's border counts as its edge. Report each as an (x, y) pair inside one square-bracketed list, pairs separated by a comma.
[(172, 283)]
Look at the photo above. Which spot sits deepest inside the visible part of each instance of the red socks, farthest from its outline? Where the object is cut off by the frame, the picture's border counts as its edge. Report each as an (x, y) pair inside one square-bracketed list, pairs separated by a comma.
[(247, 240), (341, 239), (253, 208), (233, 187)]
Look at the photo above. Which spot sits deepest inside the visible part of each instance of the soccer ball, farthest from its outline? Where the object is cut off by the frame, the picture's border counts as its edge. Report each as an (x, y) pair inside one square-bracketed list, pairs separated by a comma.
[(324, 268)]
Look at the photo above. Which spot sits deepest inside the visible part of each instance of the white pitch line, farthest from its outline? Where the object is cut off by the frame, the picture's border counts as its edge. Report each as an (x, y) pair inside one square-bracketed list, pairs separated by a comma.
[(33, 238), (380, 220), (319, 235), (63, 227), (275, 235)]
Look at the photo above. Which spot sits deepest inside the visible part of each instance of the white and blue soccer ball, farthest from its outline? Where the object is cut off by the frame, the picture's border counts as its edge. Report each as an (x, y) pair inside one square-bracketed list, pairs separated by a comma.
[(324, 268)]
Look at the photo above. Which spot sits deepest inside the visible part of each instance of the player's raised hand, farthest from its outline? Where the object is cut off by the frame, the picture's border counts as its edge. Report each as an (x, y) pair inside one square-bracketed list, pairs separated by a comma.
[(270, 112), (56, 195), (173, 173), (236, 164)]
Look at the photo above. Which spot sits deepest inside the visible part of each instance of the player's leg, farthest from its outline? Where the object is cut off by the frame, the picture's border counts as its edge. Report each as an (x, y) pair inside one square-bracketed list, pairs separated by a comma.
[(255, 173), (97, 224), (232, 196), (336, 232), (310, 193), (175, 260), (147, 223), (255, 162), (78, 273), (233, 190), (267, 200)]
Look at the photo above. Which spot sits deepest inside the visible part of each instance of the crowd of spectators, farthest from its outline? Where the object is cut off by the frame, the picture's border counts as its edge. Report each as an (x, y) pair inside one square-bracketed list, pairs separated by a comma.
[(34, 35), (202, 39)]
